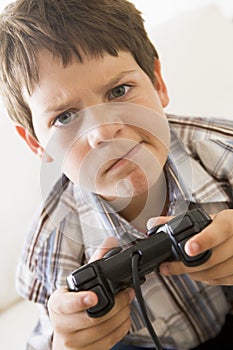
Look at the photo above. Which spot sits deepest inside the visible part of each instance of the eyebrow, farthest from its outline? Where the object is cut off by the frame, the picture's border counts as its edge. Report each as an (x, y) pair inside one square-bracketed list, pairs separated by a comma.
[(63, 106), (117, 78), (55, 109)]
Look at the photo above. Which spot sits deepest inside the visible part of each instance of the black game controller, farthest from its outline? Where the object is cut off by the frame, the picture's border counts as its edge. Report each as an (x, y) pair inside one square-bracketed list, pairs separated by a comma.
[(113, 273)]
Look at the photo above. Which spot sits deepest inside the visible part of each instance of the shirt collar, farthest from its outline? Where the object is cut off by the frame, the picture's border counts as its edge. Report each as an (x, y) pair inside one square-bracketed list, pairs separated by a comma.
[(181, 171)]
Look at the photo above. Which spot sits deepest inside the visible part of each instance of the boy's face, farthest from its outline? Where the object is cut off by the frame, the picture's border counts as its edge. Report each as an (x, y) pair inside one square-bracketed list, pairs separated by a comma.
[(103, 121)]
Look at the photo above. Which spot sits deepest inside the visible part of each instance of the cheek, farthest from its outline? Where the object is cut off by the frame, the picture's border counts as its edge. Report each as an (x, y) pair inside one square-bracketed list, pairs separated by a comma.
[(83, 167), (151, 99), (160, 151), (72, 162)]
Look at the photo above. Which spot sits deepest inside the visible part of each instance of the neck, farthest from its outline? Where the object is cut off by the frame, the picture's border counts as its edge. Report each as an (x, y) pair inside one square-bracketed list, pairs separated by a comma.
[(139, 209)]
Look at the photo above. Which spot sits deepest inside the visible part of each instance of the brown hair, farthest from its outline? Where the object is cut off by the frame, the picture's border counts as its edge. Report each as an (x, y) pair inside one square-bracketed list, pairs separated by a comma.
[(66, 28)]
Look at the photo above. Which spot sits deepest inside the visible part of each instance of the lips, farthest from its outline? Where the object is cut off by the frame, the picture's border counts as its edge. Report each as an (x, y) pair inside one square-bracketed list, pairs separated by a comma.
[(122, 161)]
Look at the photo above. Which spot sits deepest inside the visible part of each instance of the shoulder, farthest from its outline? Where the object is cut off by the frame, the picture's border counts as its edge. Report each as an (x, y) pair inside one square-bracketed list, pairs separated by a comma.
[(201, 127), (207, 140), (52, 246), (57, 208)]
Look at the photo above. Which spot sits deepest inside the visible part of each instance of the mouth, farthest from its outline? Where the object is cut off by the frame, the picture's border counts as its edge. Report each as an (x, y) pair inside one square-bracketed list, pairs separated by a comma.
[(125, 159)]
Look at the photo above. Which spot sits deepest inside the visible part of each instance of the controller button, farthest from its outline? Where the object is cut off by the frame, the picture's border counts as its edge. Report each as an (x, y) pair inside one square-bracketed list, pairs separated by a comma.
[(187, 258), (112, 252), (184, 225), (84, 275), (103, 300)]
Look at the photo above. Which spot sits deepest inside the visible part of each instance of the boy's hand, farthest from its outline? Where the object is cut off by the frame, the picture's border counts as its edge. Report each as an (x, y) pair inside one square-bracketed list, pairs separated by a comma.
[(218, 236), (74, 329)]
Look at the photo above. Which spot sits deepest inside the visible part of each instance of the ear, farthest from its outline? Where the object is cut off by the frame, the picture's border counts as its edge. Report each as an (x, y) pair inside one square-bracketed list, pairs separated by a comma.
[(33, 143), (160, 85)]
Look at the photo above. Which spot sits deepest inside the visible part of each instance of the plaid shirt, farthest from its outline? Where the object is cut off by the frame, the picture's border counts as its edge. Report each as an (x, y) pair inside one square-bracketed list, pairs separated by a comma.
[(72, 223)]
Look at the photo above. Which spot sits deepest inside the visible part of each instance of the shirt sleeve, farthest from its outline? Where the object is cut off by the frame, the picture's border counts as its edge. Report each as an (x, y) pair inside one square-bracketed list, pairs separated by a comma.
[(41, 337), (53, 249), (217, 156)]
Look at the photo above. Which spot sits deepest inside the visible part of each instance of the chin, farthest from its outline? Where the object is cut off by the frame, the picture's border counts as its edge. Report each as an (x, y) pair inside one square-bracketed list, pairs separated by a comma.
[(132, 187)]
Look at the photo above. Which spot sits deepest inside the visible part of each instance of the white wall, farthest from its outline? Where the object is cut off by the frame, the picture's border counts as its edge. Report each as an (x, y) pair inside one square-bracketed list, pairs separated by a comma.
[(157, 11)]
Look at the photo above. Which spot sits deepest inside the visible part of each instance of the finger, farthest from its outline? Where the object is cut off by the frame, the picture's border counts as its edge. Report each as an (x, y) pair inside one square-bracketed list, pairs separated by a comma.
[(219, 257), (121, 307), (227, 281), (67, 310), (173, 268), (105, 246), (160, 220), (104, 343), (214, 234), (178, 268), (220, 271), (114, 337), (99, 331), (122, 299), (64, 302)]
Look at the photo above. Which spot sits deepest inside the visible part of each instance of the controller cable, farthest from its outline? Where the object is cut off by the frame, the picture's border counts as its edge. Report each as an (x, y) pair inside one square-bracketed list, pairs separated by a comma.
[(135, 258)]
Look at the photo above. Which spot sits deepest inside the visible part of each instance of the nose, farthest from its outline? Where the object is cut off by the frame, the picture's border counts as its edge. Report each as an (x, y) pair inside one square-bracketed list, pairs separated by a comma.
[(103, 123), (103, 133)]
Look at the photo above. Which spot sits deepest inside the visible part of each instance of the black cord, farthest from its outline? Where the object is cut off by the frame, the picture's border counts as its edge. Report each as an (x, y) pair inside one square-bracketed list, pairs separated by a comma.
[(136, 283)]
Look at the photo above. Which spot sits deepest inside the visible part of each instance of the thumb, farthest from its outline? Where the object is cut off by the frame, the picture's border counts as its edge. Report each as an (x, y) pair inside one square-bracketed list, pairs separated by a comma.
[(105, 246), (160, 220)]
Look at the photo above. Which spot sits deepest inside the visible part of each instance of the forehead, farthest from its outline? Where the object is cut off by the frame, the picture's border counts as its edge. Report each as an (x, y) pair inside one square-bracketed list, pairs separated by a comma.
[(51, 67), (56, 80), (48, 63)]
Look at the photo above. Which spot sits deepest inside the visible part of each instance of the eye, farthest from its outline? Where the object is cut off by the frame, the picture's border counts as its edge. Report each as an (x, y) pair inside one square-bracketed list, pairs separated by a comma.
[(65, 118), (119, 91)]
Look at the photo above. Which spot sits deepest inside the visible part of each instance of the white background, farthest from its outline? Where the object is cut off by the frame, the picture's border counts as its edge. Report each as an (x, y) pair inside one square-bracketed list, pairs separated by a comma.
[(157, 11)]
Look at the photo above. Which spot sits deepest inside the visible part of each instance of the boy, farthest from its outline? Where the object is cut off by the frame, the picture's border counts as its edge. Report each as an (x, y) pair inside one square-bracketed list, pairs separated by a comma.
[(82, 82)]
